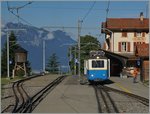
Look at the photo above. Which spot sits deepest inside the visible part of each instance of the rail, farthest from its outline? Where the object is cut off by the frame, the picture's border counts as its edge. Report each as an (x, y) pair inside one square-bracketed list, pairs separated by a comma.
[(25, 103), (33, 101), (110, 100)]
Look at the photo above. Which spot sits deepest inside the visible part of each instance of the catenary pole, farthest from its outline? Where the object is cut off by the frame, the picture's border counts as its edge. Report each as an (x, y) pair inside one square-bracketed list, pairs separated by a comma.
[(8, 54), (79, 64), (44, 56), (75, 61)]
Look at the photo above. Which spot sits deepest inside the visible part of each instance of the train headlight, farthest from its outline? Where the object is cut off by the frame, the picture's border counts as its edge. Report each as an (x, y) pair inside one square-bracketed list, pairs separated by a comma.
[(97, 57), (92, 75)]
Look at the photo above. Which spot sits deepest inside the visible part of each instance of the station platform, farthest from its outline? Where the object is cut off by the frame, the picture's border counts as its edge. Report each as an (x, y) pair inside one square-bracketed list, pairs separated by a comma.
[(127, 85), (72, 97)]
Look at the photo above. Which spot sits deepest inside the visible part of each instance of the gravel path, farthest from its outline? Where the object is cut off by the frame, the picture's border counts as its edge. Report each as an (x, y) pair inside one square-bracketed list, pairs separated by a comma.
[(31, 87)]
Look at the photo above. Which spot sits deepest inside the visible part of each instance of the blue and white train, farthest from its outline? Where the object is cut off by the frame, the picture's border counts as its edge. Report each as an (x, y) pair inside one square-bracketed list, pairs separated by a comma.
[(97, 67)]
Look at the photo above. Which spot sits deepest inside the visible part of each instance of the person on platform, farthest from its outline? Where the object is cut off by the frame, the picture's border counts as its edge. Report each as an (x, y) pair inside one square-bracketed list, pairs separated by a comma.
[(135, 74)]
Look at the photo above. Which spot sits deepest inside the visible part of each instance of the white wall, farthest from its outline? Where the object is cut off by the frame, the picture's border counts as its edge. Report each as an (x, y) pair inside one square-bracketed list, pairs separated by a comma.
[(130, 38)]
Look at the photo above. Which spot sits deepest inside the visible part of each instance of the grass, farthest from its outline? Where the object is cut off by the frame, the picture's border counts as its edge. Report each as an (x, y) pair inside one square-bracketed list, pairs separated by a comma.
[(8, 80), (5, 81)]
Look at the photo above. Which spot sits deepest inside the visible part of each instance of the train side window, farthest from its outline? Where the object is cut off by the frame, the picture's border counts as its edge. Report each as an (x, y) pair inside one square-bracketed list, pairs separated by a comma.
[(98, 64)]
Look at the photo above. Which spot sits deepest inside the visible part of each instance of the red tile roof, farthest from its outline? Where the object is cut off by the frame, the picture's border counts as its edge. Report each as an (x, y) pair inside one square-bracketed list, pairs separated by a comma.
[(127, 23)]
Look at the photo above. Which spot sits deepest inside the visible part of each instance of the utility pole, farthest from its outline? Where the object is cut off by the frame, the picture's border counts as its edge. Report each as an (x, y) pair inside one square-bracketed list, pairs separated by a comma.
[(7, 55), (75, 61), (44, 56), (70, 59), (8, 69), (79, 64)]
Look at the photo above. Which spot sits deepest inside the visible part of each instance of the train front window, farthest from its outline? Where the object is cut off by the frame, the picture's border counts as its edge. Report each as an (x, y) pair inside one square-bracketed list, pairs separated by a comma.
[(98, 64)]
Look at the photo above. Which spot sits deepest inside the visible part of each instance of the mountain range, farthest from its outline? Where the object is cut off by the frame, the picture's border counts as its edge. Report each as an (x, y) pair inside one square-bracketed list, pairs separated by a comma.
[(31, 39)]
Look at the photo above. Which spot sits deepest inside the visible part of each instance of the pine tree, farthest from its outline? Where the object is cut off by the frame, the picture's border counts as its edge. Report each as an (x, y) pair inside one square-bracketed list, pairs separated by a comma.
[(4, 61), (53, 64), (12, 47), (28, 67)]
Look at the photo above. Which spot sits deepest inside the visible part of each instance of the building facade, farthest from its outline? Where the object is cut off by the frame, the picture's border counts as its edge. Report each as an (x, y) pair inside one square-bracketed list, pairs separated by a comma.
[(123, 34)]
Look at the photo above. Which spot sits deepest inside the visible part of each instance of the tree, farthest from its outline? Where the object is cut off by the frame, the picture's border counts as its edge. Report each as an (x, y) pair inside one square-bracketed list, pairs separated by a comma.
[(88, 43), (53, 64), (12, 47), (28, 67)]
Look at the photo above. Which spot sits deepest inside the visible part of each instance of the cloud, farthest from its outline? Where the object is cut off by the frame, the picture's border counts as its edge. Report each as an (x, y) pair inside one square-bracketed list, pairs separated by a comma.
[(72, 35), (36, 41), (50, 36), (2, 23)]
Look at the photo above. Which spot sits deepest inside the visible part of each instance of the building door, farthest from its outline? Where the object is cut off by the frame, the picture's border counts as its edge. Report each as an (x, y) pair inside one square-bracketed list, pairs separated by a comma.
[(145, 70)]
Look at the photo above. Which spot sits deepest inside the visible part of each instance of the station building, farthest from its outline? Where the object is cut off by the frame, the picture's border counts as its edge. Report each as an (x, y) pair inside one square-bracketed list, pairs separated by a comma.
[(122, 39)]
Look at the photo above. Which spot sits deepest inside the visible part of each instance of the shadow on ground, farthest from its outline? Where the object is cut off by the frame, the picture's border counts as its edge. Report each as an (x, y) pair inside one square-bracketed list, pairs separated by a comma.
[(106, 82)]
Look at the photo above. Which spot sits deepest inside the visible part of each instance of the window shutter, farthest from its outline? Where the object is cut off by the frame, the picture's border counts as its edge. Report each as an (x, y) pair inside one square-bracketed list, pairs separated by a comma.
[(124, 34), (143, 34), (119, 46), (128, 46), (134, 46), (134, 34)]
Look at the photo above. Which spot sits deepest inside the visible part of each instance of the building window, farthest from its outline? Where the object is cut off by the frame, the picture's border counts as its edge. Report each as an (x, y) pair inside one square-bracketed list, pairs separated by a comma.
[(124, 47), (98, 64), (139, 34), (124, 34)]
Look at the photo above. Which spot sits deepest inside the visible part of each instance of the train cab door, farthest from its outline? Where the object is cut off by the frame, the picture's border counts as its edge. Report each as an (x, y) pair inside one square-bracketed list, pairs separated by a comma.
[(85, 67), (108, 67)]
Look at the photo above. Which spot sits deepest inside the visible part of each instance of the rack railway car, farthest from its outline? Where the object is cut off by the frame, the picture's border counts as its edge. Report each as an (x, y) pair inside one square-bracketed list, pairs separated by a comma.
[(97, 67)]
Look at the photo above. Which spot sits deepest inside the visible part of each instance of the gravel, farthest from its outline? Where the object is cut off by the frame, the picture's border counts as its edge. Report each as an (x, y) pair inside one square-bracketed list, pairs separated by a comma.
[(31, 87)]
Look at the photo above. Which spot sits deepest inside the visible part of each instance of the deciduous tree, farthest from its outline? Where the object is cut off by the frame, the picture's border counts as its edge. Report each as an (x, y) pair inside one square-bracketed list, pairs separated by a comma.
[(88, 43)]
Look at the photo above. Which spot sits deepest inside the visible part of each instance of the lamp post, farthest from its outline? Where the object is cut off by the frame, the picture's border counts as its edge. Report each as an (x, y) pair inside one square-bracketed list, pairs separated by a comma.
[(79, 64)]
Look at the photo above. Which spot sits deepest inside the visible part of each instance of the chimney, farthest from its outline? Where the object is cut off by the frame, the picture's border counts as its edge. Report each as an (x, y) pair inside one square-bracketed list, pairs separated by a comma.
[(141, 16)]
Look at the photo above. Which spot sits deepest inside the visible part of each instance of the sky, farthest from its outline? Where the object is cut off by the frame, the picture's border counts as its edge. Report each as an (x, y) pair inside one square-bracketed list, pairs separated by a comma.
[(67, 13)]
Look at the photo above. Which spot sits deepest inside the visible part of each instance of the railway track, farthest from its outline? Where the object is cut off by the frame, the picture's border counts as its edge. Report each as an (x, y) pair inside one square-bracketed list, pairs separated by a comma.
[(25, 103), (111, 100), (19, 94), (35, 100)]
